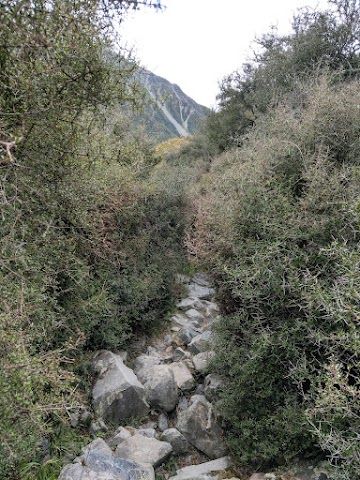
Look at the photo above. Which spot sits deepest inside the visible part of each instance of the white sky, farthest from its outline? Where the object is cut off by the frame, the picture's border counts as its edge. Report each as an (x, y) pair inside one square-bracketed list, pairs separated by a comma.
[(196, 43)]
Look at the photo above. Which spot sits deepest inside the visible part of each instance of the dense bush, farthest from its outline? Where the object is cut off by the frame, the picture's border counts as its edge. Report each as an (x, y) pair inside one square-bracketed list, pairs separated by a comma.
[(89, 245), (277, 224)]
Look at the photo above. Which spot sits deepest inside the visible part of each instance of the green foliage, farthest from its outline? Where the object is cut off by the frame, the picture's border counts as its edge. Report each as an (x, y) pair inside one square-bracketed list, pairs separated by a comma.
[(321, 40), (277, 224), (89, 245)]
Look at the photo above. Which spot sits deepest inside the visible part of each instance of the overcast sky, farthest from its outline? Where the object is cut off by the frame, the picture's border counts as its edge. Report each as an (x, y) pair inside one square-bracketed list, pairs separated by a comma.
[(196, 43)]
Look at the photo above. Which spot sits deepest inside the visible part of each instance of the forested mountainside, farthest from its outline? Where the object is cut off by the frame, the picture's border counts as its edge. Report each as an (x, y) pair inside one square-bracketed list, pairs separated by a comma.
[(96, 223), (168, 112)]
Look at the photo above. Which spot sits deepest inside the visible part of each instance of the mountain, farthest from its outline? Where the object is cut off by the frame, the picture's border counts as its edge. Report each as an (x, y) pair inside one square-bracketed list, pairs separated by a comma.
[(168, 112)]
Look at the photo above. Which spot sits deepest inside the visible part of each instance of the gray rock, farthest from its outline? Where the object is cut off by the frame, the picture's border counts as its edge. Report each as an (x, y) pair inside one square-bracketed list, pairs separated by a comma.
[(200, 343), (201, 279), (183, 403), (180, 320), (201, 361), (121, 434), (180, 354), (199, 426), (186, 303), (117, 393), (99, 466), (194, 315), (195, 471), (183, 378), (142, 449), (147, 432), (187, 333), (97, 445), (161, 388), (176, 439), (143, 366), (203, 293), (213, 384), (163, 422)]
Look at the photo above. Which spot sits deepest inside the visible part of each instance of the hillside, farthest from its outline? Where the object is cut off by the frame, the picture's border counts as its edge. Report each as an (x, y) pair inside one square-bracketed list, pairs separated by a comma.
[(168, 111)]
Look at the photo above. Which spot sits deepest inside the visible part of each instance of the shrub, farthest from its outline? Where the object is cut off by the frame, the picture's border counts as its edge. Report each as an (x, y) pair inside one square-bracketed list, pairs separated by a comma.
[(276, 223)]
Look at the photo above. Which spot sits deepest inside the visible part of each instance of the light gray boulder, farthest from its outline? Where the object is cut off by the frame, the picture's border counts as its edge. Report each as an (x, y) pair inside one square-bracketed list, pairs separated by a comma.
[(200, 427), (201, 361), (161, 388), (200, 343), (213, 384), (98, 445), (203, 293), (186, 303), (147, 432), (142, 449), (117, 393), (143, 366), (183, 377), (176, 439), (195, 315), (207, 468), (120, 435), (180, 320), (99, 466)]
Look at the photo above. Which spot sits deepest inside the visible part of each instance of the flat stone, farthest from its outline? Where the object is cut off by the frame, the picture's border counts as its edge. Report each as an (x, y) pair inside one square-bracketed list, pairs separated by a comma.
[(98, 466), (201, 361), (183, 377), (200, 427), (194, 471), (142, 449), (176, 439), (117, 392)]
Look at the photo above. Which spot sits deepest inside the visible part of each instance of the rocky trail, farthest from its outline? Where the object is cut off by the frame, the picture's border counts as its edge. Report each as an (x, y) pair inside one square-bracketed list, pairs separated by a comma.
[(168, 393)]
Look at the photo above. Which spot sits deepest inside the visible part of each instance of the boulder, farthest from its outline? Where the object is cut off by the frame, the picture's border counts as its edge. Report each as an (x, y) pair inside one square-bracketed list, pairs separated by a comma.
[(199, 426), (200, 343), (97, 445), (180, 320), (187, 333), (195, 315), (117, 393), (186, 303), (143, 366), (176, 439), (201, 361), (180, 354), (120, 435), (99, 466), (183, 378), (142, 449), (161, 388), (195, 471)]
